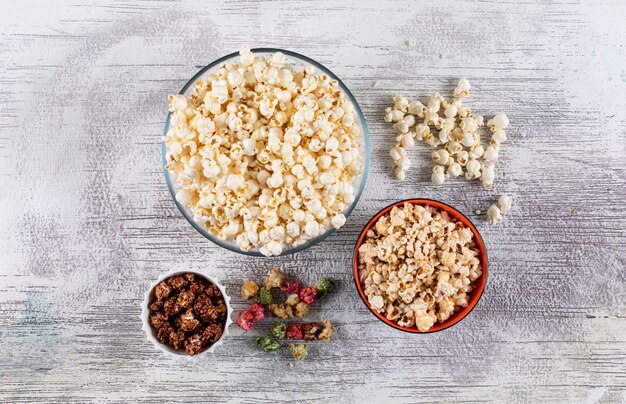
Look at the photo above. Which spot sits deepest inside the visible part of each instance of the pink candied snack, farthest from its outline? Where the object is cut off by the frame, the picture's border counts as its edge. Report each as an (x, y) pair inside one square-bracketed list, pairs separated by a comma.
[(291, 287), (308, 295), (293, 332), (244, 320), (258, 311)]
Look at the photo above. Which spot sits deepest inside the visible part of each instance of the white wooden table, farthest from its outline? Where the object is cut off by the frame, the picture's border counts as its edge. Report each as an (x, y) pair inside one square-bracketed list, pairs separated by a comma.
[(86, 221)]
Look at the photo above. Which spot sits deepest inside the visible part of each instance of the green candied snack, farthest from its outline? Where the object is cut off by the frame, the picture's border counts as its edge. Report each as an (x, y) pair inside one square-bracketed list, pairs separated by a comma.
[(278, 330), (299, 351), (324, 285), (264, 297), (267, 344)]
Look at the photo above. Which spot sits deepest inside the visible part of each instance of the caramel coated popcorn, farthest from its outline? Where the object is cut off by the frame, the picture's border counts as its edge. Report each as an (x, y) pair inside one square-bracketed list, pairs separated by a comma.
[(187, 312), (417, 265)]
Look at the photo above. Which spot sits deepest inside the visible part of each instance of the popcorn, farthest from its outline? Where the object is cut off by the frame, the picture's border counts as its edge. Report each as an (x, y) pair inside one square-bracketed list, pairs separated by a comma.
[(417, 265), (290, 287), (274, 279), (255, 147), (294, 332), (278, 330), (494, 214), (308, 295), (504, 203), (258, 312), (264, 297), (457, 144), (324, 285), (267, 344), (299, 351), (249, 290), (244, 320), (495, 211)]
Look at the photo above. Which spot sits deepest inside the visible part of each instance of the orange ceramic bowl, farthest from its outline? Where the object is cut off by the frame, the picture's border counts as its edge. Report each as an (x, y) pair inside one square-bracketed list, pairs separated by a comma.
[(479, 284)]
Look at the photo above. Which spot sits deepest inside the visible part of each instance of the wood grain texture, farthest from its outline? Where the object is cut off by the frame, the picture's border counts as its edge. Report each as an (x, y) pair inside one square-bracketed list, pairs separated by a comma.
[(87, 223)]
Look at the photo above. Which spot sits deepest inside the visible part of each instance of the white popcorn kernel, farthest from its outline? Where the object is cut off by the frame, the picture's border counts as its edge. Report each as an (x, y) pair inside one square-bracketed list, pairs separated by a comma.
[(472, 169), (477, 152), (491, 154), (234, 181), (178, 102), (416, 108), (450, 111), (504, 203), (376, 302), (184, 196), (499, 121), (438, 176), (493, 214), (338, 220), (234, 78), (275, 180), (498, 136), (487, 175), (454, 170), (468, 139), (462, 88), (311, 228), (293, 229)]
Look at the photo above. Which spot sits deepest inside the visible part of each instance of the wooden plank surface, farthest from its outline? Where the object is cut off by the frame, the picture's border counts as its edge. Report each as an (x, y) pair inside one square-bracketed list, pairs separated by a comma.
[(87, 223)]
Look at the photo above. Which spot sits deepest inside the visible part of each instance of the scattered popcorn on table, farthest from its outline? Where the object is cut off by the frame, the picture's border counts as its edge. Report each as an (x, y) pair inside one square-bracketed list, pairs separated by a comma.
[(267, 344), (249, 290), (258, 312), (294, 332), (495, 211), (265, 153), (452, 130), (417, 266), (299, 351), (504, 203), (493, 214), (264, 297), (278, 330)]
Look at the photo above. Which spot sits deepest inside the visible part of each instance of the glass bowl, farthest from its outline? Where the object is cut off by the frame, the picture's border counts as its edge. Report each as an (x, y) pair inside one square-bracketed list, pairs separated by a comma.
[(292, 58)]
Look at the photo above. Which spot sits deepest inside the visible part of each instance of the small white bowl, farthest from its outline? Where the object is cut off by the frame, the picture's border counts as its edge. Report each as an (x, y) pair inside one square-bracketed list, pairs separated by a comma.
[(151, 332)]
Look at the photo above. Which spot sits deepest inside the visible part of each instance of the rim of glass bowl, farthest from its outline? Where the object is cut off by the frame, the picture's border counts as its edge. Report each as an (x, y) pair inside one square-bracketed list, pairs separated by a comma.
[(232, 246)]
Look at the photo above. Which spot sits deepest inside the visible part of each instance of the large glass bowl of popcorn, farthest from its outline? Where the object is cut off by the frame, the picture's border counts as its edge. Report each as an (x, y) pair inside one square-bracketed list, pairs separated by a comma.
[(265, 152), (420, 266)]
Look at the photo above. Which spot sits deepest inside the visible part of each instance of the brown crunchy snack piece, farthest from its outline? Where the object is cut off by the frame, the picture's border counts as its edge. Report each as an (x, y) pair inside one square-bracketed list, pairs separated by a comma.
[(187, 322), (211, 333), (311, 331), (163, 333), (162, 290), (185, 299), (156, 305), (193, 344), (178, 282), (213, 292), (190, 276), (170, 308), (197, 287), (157, 320), (176, 339)]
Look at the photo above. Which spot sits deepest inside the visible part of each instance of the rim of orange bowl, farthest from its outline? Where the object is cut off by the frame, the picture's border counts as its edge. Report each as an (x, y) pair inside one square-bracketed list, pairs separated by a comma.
[(480, 283)]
